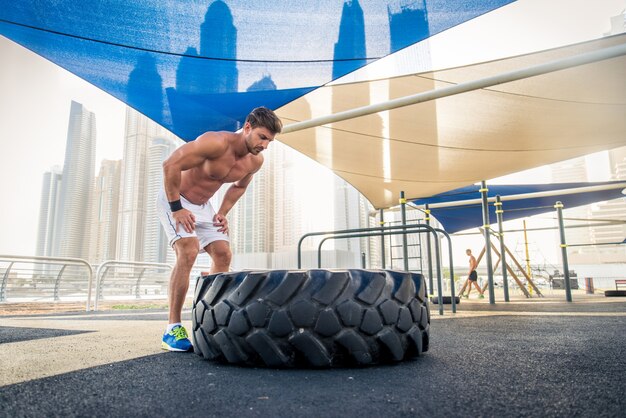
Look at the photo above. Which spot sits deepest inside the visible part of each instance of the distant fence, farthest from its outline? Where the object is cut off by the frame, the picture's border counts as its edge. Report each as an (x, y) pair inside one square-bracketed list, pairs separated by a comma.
[(30, 279), (602, 282), (26, 278)]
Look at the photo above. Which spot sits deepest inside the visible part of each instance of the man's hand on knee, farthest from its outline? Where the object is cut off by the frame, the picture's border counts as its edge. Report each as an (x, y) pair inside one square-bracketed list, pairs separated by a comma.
[(185, 218), (221, 222)]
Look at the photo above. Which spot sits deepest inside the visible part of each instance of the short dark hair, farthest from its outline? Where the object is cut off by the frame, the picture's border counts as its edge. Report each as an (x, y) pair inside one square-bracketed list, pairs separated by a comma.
[(262, 116)]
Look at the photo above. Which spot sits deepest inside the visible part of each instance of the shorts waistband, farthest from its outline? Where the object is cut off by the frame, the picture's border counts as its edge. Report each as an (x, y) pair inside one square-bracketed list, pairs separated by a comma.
[(191, 203)]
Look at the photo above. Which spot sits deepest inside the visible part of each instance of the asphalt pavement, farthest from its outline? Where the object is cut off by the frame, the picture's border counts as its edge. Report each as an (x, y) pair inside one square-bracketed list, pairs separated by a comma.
[(547, 358)]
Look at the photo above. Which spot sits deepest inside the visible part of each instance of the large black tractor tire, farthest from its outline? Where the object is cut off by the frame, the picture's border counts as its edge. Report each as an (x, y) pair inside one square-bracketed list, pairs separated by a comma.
[(315, 318)]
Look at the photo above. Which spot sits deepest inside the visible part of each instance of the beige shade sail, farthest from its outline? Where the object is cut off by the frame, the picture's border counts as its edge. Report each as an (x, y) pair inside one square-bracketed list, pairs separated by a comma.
[(443, 144)]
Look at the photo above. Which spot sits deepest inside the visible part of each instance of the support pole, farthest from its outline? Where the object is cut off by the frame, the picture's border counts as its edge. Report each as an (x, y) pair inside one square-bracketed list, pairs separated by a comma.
[(568, 290), (405, 248), (505, 279), (486, 229), (382, 238), (528, 270), (430, 252)]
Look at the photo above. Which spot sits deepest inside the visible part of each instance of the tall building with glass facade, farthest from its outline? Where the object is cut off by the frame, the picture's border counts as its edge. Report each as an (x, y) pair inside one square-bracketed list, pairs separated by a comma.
[(576, 170), (614, 210), (156, 245), (133, 214), (74, 215), (48, 209), (105, 212)]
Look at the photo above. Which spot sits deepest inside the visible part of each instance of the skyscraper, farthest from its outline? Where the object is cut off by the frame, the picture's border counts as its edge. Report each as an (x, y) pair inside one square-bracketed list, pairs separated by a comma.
[(351, 44), (612, 210), (156, 244), (50, 191), (105, 212), (73, 218), (134, 200)]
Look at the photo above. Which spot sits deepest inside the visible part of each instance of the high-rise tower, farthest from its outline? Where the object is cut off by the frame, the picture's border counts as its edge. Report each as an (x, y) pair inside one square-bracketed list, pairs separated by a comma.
[(134, 199), (48, 209), (351, 45), (73, 218), (105, 212), (156, 244)]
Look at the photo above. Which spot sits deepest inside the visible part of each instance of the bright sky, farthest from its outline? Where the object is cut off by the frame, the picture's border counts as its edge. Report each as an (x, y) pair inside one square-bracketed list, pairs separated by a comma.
[(36, 96)]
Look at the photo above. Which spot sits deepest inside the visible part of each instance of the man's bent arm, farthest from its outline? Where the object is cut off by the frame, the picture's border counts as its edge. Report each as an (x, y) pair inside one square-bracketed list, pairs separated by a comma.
[(233, 194)]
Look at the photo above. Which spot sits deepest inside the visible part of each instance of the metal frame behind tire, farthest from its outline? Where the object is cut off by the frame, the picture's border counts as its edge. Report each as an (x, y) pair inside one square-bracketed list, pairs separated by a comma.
[(314, 318)]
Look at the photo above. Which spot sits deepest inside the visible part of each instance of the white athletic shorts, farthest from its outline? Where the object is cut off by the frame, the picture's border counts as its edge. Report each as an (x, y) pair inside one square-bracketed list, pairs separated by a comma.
[(205, 231)]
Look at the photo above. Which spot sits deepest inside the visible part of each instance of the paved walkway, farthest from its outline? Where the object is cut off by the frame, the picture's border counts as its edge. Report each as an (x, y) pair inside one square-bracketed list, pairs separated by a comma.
[(539, 357)]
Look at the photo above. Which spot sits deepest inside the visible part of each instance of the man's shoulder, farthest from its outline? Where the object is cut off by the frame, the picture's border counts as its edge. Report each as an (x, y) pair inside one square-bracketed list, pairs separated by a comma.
[(256, 162), (213, 141), (221, 138)]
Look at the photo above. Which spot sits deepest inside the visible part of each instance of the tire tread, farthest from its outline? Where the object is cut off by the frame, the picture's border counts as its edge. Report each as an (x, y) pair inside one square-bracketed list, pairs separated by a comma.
[(310, 318)]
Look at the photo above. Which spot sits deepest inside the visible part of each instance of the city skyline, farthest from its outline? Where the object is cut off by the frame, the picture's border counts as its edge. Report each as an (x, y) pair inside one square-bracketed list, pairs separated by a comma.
[(37, 144), (269, 219), (122, 222)]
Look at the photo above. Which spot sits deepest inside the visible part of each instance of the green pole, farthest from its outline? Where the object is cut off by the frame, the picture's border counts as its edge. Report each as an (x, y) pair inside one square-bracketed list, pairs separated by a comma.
[(505, 279), (382, 238), (559, 212), (486, 228), (429, 251), (405, 248)]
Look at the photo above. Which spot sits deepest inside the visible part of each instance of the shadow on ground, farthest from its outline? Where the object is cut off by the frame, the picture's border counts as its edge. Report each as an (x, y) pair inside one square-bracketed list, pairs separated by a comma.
[(17, 334), (491, 366)]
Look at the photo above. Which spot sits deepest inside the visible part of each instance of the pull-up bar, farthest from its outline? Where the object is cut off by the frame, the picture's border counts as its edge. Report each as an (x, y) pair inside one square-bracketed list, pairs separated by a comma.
[(532, 71), (533, 195), (596, 243)]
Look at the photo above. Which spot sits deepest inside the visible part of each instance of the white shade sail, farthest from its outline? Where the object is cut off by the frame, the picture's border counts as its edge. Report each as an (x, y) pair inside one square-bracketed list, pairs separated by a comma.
[(443, 144)]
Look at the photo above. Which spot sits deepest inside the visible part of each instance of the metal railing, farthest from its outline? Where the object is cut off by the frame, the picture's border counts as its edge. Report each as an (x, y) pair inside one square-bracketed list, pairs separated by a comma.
[(136, 280), (396, 230), (32, 278), (46, 277), (128, 277)]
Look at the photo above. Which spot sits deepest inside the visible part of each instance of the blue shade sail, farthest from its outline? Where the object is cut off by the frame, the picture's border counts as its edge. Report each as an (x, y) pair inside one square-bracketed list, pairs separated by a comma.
[(459, 218), (195, 66)]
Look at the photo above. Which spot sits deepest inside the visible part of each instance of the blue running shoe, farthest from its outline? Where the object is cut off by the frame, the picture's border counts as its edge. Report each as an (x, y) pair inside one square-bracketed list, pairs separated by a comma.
[(176, 340)]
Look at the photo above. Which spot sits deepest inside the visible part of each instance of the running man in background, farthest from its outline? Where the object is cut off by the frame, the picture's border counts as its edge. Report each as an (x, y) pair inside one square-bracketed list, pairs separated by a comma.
[(472, 276), (191, 176)]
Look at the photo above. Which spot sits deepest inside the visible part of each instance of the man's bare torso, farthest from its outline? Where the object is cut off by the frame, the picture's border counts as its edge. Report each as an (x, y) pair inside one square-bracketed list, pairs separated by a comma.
[(472, 263), (199, 184)]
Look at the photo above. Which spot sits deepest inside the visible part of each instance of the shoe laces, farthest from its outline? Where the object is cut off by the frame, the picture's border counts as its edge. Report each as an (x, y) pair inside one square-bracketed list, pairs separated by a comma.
[(180, 333)]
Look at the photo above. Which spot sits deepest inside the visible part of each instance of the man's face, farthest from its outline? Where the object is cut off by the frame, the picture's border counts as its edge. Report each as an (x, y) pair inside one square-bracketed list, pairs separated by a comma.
[(257, 139), (468, 252)]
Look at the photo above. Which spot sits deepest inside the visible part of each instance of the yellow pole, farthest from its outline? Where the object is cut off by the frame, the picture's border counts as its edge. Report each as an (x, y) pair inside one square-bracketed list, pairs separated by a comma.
[(530, 288)]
